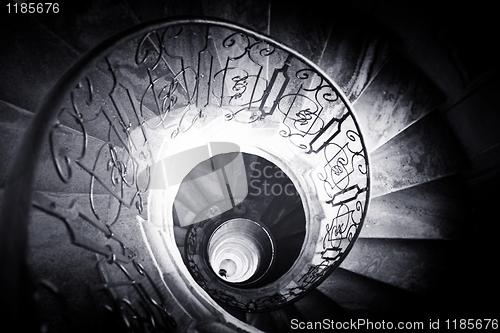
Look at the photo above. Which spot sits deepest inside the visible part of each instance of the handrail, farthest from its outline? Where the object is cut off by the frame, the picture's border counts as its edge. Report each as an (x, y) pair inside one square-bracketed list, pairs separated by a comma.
[(311, 110)]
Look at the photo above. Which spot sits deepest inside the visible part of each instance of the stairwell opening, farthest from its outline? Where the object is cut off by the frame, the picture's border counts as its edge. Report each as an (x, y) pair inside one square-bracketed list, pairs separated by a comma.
[(240, 251), (246, 226)]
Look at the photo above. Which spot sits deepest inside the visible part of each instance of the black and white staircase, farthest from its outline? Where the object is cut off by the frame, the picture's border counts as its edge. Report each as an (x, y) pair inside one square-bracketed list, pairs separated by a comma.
[(89, 242)]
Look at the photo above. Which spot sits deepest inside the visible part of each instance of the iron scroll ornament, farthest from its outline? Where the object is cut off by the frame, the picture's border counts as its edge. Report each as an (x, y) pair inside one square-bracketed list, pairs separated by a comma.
[(180, 81)]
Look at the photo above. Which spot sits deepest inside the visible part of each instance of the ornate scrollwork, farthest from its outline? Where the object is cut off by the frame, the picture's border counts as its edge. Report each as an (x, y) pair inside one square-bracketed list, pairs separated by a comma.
[(150, 316), (178, 77)]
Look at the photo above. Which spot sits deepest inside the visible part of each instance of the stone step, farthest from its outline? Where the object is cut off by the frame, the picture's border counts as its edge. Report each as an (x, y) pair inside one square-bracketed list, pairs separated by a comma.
[(287, 206), (292, 222), (283, 318), (87, 23), (287, 250), (301, 26), (351, 55), (369, 299), (162, 9), (398, 97), (427, 267), (183, 215), (42, 58), (180, 235), (33, 59), (65, 142), (421, 153), (71, 269), (254, 15), (267, 183), (191, 198), (438, 209), (318, 307), (90, 108), (236, 313), (356, 53), (13, 116), (263, 321), (13, 123)]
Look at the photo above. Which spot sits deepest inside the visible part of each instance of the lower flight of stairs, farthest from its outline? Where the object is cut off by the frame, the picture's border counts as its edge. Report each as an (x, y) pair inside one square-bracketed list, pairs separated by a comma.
[(426, 247)]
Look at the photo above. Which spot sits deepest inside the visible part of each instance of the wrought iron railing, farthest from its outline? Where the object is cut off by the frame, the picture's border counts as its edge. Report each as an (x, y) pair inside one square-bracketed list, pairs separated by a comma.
[(168, 77)]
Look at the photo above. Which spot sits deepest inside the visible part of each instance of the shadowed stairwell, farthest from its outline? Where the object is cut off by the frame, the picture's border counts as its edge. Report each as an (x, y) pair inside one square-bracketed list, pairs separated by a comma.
[(221, 166)]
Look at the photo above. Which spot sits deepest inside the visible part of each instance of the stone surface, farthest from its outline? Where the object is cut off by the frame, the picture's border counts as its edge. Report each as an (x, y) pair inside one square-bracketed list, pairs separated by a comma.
[(293, 222), (355, 54), (398, 97), (318, 306), (68, 143), (423, 152), (69, 268), (158, 9), (13, 122), (475, 120), (409, 19), (87, 23), (415, 155), (301, 26), (91, 98), (419, 266), (263, 321), (440, 209), (32, 59), (249, 14), (366, 298)]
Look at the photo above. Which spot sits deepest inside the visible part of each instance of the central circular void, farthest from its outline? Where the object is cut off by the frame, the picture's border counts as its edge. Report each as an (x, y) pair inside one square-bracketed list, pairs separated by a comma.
[(240, 251), (239, 222)]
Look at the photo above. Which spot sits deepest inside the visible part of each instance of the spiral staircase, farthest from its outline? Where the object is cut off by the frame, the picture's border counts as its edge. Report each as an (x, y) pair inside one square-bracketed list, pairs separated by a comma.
[(377, 90)]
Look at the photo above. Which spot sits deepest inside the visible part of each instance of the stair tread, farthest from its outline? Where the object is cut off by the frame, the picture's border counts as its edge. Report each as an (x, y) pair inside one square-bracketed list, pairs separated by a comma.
[(180, 236), (303, 27), (70, 268), (14, 121), (87, 23), (14, 116), (290, 224), (356, 53), (73, 268), (399, 96), (98, 84), (68, 142), (421, 153), (424, 266), (263, 321), (437, 209), (267, 183), (250, 14), (39, 73), (287, 250), (410, 20), (33, 60), (161, 9), (317, 307), (287, 206), (237, 313), (284, 316), (366, 298)]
